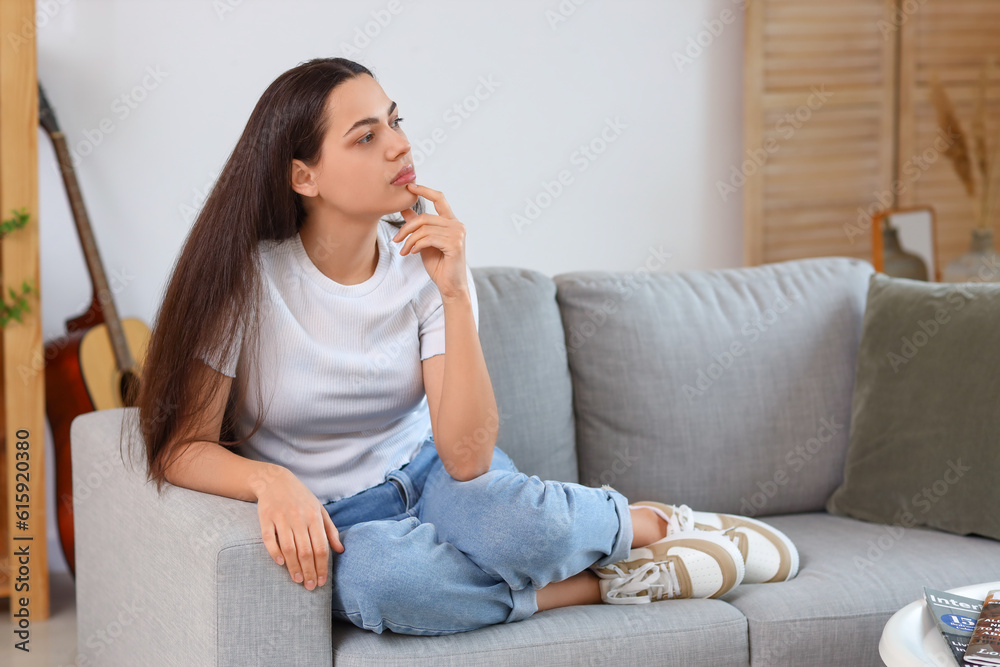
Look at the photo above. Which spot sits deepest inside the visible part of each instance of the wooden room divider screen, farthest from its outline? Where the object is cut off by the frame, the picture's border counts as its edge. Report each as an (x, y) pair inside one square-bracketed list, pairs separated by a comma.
[(838, 121)]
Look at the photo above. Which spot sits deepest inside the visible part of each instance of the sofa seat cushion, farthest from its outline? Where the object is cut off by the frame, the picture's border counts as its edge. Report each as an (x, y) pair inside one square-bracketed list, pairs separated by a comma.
[(669, 632), (853, 576)]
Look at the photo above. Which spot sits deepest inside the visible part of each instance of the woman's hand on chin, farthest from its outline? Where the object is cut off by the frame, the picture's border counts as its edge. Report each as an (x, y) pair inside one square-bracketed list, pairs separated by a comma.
[(440, 240)]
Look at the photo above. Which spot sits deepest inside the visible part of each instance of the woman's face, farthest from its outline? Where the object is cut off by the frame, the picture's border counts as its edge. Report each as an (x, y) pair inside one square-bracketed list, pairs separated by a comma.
[(359, 160)]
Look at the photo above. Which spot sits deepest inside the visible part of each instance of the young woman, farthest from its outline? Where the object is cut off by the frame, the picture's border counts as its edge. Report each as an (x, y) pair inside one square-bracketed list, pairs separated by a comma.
[(377, 440)]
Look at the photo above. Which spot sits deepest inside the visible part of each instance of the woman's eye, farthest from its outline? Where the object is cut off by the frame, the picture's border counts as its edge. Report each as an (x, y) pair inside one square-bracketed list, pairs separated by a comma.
[(369, 135)]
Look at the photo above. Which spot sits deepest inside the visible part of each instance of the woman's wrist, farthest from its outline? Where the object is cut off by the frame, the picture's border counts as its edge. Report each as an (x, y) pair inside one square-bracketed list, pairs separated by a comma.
[(463, 296), (263, 474)]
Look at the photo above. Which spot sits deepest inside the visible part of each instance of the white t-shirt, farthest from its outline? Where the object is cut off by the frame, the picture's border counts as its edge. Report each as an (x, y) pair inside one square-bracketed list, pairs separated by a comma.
[(342, 382)]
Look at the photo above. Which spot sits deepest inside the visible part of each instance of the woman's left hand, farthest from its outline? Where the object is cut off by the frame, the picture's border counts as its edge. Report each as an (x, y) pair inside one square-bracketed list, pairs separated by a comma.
[(440, 240)]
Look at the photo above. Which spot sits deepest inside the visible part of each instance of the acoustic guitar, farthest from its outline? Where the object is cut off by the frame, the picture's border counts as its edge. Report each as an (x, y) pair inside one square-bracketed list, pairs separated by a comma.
[(97, 364)]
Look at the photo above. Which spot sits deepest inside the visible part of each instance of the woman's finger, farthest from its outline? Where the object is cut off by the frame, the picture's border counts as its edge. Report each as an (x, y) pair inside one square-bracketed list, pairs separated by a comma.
[(271, 543), (287, 542), (412, 240), (321, 551), (441, 204), (420, 222), (306, 555), (333, 534)]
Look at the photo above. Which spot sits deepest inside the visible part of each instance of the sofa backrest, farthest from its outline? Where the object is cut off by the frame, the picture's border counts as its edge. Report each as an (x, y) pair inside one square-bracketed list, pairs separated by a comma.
[(727, 390), (521, 333)]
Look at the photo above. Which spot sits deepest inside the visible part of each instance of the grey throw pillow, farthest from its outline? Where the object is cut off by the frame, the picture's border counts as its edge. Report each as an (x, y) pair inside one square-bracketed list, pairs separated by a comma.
[(924, 442)]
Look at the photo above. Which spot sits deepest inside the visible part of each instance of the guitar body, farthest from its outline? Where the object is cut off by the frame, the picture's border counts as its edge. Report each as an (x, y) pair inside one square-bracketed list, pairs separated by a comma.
[(81, 376), (104, 382)]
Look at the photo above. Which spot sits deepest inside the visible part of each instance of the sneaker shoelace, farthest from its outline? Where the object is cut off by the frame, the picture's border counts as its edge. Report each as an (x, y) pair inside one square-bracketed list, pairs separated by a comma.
[(681, 519), (657, 577)]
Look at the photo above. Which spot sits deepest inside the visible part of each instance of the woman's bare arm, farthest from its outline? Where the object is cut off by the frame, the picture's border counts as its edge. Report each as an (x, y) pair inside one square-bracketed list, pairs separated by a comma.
[(296, 529), (209, 467)]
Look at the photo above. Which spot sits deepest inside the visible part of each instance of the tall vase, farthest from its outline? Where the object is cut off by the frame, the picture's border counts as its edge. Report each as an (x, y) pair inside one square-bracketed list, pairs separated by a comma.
[(897, 262), (980, 265)]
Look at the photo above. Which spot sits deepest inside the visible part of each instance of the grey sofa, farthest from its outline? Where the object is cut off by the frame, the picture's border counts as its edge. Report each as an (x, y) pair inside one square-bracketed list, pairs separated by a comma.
[(728, 390)]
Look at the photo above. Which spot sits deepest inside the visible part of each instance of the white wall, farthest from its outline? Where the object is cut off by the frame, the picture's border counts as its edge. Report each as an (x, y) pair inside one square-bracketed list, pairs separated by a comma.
[(148, 148)]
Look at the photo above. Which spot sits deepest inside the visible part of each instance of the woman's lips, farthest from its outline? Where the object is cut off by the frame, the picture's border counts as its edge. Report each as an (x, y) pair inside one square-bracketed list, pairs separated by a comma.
[(406, 175)]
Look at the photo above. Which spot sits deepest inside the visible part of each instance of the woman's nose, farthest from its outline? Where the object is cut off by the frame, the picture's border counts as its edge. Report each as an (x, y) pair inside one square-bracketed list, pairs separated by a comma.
[(401, 141), (403, 147)]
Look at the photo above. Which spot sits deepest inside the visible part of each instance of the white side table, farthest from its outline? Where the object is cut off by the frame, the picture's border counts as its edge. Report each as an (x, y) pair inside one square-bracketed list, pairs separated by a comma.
[(911, 637)]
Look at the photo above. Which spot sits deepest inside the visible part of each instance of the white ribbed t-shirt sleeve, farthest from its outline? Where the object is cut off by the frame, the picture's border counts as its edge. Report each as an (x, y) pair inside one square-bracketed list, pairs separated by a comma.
[(432, 319), (225, 358)]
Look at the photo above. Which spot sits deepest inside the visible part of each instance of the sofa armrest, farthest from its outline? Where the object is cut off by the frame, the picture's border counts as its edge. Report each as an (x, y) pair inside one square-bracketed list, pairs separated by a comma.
[(179, 578)]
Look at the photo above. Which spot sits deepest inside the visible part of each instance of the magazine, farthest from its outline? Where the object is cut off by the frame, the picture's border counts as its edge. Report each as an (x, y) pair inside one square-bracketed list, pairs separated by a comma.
[(984, 646), (956, 618)]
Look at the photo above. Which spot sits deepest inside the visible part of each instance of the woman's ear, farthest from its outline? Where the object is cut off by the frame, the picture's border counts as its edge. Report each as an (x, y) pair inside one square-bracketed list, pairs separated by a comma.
[(302, 179)]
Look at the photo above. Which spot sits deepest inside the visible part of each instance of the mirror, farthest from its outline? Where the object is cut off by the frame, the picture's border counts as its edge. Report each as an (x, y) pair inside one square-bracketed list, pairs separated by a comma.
[(904, 243)]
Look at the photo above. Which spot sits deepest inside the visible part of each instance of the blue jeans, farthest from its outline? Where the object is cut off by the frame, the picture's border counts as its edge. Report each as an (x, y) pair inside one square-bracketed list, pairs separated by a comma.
[(425, 554)]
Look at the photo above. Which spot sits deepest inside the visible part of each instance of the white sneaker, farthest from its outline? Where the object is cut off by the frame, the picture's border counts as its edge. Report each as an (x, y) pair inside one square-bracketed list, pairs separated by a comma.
[(767, 552), (688, 564)]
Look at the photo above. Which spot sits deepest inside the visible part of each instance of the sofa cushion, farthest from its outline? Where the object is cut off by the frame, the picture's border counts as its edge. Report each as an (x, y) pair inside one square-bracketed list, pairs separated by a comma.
[(853, 576), (670, 632), (522, 339), (728, 390), (926, 415)]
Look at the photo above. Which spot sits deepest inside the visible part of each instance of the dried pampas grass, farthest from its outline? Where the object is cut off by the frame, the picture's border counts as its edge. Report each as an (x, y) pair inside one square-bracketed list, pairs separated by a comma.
[(957, 151), (985, 153)]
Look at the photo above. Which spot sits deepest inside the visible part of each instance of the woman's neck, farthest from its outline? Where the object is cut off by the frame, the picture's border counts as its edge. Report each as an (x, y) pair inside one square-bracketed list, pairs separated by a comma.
[(345, 252)]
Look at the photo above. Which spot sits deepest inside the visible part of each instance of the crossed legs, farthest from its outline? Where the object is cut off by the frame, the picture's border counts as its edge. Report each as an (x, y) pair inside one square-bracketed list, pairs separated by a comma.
[(582, 588)]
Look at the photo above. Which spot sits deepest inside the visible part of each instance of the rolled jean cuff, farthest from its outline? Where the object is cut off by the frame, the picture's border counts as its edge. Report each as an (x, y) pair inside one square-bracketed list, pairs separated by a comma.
[(623, 540), (525, 604)]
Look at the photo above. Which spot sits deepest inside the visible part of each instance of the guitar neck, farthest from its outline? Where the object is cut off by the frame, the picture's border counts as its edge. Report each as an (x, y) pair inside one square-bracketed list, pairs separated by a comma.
[(103, 295)]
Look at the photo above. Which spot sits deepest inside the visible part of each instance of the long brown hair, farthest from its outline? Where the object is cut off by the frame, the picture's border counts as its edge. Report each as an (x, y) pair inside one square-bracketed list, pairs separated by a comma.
[(215, 290)]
